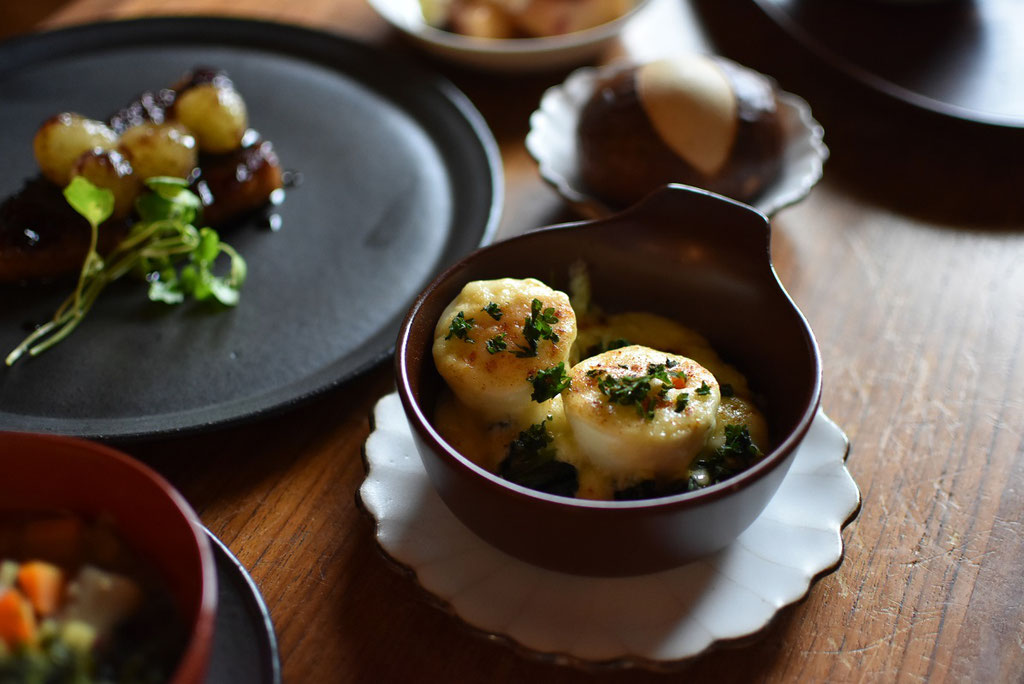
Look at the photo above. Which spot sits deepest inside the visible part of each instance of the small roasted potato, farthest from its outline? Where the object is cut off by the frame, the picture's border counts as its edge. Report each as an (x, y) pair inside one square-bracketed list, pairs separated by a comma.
[(215, 113), (166, 149), (63, 138), (109, 169)]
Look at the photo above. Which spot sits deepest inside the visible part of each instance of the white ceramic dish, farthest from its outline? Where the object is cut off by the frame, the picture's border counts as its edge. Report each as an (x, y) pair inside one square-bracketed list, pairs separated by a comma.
[(513, 54), (552, 143), (653, 621)]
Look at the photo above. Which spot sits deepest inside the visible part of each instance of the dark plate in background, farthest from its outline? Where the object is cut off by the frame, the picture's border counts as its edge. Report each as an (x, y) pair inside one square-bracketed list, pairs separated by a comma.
[(959, 58), (244, 644), (400, 177)]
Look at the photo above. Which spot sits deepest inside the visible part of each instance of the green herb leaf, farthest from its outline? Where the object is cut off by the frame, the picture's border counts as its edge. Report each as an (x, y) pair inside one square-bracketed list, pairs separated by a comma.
[(497, 344), (639, 390), (531, 463), (549, 383), (536, 327), (493, 310), (737, 454), (682, 399), (460, 327), (168, 292), (704, 389), (209, 246), (224, 292), (174, 190), (156, 245), (93, 203)]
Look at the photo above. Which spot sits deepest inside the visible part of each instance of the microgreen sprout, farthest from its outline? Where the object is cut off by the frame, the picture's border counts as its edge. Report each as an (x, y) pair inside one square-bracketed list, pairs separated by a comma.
[(163, 246)]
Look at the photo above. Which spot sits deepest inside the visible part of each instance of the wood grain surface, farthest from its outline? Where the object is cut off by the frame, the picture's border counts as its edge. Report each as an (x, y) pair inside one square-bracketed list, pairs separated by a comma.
[(908, 261)]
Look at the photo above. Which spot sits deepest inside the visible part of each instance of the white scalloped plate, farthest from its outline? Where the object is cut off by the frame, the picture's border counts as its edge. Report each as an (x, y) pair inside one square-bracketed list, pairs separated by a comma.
[(653, 620), (552, 143)]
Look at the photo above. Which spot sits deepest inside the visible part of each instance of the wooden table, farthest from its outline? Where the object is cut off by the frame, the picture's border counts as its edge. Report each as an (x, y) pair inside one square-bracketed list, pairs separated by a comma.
[(907, 260)]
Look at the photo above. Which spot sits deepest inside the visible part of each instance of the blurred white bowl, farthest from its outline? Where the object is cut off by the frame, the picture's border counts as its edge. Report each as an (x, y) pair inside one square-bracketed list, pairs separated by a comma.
[(502, 54)]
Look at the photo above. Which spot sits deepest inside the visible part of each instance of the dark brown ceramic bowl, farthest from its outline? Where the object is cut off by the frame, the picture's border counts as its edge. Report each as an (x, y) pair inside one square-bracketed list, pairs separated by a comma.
[(685, 253), (49, 473)]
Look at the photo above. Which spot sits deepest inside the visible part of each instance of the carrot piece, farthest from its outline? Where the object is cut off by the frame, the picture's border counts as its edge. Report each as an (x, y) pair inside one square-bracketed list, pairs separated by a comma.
[(17, 622), (42, 583)]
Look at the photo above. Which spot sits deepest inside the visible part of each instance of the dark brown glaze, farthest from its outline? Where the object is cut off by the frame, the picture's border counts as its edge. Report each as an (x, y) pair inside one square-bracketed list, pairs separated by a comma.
[(202, 75), (152, 105), (41, 236), (234, 184), (622, 158)]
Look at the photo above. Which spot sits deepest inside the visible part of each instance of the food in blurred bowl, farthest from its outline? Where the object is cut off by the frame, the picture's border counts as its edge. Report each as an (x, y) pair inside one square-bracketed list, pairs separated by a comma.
[(521, 18), (106, 574), (511, 36)]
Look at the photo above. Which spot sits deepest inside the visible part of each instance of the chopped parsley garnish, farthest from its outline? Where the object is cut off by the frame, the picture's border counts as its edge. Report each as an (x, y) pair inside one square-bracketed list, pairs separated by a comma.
[(704, 389), (460, 327), (548, 383), (682, 399), (727, 390), (536, 327), (492, 310), (497, 344), (738, 443), (531, 463), (737, 454), (635, 390)]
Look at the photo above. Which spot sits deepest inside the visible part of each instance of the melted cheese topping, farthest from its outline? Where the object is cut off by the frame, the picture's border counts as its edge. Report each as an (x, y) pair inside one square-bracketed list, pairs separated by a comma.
[(611, 445), (692, 106), (497, 384), (631, 443)]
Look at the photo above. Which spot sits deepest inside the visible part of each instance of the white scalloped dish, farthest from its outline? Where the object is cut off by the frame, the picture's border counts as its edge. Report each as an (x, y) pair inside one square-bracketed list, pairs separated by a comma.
[(654, 620), (552, 141), (502, 54)]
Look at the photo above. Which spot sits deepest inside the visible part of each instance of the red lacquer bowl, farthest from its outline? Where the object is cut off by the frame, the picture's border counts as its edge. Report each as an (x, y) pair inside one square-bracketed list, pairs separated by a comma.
[(684, 253), (51, 473)]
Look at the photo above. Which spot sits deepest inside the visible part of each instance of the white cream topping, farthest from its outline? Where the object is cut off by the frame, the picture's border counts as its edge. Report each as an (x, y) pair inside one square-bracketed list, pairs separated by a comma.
[(692, 107)]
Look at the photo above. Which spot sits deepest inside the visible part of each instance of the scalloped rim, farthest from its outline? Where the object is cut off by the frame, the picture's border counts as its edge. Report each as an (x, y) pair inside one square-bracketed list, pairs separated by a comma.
[(388, 415), (551, 141)]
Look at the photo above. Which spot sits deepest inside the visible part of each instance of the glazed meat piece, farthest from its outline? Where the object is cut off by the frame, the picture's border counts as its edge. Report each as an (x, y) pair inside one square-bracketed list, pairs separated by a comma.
[(41, 236), (237, 183)]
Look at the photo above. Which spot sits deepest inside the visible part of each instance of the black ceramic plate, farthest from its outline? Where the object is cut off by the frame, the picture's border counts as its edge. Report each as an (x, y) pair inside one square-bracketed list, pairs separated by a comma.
[(400, 177), (244, 645), (959, 58)]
